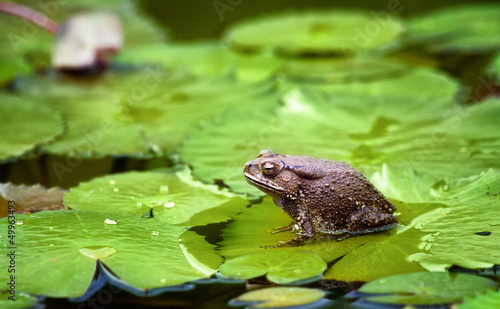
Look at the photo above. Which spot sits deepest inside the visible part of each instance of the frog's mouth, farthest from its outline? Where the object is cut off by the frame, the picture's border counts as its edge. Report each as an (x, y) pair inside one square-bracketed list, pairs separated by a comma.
[(264, 186)]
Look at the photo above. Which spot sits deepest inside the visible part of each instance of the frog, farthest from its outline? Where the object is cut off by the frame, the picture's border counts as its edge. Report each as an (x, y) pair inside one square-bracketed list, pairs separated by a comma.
[(321, 196)]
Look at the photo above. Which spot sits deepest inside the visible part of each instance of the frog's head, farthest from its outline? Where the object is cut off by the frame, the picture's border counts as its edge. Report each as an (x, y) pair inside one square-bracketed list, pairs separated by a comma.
[(273, 174)]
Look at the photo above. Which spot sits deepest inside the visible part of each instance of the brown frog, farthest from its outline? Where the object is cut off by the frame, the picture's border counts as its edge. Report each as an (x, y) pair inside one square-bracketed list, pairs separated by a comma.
[(320, 195)]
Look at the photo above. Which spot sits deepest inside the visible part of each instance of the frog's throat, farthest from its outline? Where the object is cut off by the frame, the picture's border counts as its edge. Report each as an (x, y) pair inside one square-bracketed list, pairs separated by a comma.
[(262, 185)]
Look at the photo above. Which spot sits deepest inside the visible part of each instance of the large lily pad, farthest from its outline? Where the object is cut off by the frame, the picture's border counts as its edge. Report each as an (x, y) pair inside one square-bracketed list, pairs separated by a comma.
[(330, 123), (173, 196), (469, 28), (326, 32), (426, 288), (280, 267), (16, 123), (57, 250)]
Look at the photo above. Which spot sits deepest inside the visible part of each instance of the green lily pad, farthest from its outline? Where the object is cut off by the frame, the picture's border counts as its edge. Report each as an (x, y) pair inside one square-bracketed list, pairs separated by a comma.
[(204, 58), (22, 301), (173, 196), (468, 28), (281, 267), (489, 300), (144, 113), (304, 124), (57, 250), (326, 32), (278, 297), (426, 288), (16, 123)]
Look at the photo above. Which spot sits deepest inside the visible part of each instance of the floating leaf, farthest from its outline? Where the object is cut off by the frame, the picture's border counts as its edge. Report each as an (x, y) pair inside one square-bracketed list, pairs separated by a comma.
[(468, 28), (173, 196), (425, 288), (278, 297), (489, 300), (16, 124), (59, 249), (326, 32), (205, 58), (29, 198), (281, 267), (304, 126)]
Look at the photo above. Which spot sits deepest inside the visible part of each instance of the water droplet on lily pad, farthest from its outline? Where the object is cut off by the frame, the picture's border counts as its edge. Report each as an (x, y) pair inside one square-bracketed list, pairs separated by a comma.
[(19, 222), (112, 182), (116, 189), (169, 204), (98, 252), (139, 204), (164, 189), (110, 221), (155, 233)]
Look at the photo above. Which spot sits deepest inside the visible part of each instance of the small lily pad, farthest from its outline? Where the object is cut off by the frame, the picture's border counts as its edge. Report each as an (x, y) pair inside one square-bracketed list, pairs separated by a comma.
[(57, 251), (278, 297), (172, 195), (428, 288), (326, 32), (281, 267), (468, 28)]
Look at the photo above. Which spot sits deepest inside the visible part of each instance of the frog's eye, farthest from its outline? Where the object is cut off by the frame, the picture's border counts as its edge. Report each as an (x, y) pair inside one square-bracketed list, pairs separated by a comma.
[(269, 168)]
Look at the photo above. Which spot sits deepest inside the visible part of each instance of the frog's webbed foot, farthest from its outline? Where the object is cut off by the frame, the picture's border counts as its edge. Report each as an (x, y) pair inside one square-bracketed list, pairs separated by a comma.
[(291, 227), (297, 241)]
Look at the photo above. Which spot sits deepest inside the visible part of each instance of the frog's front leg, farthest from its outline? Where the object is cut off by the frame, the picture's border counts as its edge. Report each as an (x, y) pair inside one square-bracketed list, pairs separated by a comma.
[(291, 227), (306, 232)]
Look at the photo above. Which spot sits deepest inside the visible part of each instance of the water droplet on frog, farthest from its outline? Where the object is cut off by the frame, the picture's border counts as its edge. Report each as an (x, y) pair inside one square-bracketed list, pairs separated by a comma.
[(169, 204), (110, 221), (98, 252), (19, 222), (164, 189), (112, 182), (155, 233)]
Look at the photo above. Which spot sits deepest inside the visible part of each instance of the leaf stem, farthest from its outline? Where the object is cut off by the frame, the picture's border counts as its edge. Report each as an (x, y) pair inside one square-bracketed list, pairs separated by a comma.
[(30, 15)]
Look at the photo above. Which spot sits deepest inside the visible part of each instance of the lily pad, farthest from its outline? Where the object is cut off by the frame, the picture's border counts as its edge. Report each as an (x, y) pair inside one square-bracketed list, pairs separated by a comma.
[(331, 122), (425, 288), (468, 28), (327, 32), (489, 300), (173, 196), (278, 297), (204, 58), (29, 198), (16, 123), (281, 267), (57, 250)]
